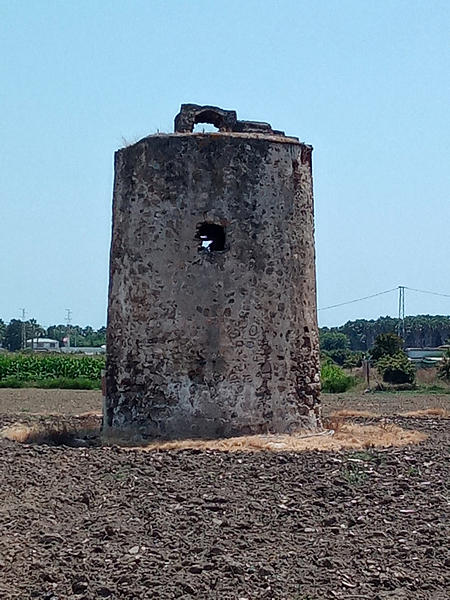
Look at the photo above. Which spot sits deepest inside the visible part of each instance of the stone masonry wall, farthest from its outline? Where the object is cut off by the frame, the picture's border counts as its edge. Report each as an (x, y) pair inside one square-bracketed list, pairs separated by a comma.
[(205, 343)]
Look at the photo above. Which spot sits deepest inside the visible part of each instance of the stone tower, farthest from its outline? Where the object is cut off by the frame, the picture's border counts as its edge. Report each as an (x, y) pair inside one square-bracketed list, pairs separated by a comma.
[(212, 327)]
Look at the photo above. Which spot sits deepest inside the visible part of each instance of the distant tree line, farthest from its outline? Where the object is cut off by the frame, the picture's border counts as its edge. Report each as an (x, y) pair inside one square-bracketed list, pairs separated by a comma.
[(341, 342), (421, 331), (13, 333)]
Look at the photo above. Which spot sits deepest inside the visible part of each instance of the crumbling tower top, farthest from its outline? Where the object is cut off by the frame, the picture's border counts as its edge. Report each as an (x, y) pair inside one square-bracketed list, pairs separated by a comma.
[(224, 120)]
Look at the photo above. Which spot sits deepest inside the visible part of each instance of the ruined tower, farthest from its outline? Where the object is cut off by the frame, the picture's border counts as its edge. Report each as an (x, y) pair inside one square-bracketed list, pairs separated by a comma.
[(212, 326)]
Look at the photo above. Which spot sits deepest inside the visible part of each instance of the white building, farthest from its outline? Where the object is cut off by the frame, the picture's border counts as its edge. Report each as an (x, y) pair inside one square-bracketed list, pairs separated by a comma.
[(83, 349), (42, 344), (426, 357)]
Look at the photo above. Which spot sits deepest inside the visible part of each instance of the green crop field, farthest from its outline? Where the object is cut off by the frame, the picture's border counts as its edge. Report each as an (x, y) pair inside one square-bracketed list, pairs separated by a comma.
[(17, 370)]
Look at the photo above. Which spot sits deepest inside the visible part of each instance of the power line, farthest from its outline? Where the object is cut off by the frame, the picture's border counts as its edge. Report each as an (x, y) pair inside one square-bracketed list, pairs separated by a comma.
[(401, 289), (358, 299), (427, 292)]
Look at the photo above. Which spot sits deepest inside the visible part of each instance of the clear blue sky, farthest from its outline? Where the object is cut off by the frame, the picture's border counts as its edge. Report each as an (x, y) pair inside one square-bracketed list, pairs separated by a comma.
[(365, 82)]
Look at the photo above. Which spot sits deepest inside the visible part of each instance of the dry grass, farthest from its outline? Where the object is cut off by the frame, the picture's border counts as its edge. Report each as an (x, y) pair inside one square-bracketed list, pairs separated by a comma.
[(53, 433), (92, 414), (56, 435), (17, 433), (441, 413), (349, 435), (347, 413), (341, 435), (427, 376)]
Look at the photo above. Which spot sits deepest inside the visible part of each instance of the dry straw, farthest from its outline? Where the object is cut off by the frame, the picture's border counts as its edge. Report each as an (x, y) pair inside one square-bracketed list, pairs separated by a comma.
[(440, 413), (341, 435), (346, 435)]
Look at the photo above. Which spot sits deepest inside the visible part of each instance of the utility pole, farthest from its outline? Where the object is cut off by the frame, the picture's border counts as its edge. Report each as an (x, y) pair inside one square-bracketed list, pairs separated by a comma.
[(24, 331), (33, 333), (366, 369), (68, 321), (401, 312)]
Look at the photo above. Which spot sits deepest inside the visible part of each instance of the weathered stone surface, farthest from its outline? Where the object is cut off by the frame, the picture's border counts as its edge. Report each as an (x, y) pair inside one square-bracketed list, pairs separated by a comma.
[(214, 342)]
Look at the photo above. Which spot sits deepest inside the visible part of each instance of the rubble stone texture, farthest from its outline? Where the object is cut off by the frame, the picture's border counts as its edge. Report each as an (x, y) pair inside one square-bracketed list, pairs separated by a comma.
[(212, 327)]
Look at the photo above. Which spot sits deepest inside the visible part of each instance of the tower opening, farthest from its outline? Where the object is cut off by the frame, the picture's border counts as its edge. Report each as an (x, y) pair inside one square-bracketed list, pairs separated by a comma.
[(211, 236), (211, 117), (203, 127)]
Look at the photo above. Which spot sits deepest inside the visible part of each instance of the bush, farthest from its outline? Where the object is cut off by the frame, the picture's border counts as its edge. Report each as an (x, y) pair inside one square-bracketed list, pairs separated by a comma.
[(11, 382), (396, 369), (66, 383), (331, 340), (354, 359), (386, 344), (444, 367), (62, 383), (337, 356), (334, 379), (343, 358)]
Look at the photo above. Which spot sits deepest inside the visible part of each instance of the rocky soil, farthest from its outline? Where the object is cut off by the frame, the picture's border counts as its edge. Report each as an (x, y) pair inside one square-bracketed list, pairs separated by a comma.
[(89, 523)]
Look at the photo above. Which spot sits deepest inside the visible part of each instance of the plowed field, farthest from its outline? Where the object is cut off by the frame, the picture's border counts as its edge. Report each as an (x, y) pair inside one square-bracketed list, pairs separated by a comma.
[(89, 523)]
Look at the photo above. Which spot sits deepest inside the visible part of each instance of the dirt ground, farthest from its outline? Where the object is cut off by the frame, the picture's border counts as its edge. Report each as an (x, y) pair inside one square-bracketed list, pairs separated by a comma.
[(24, 401), (385, 403), (106, 522)]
